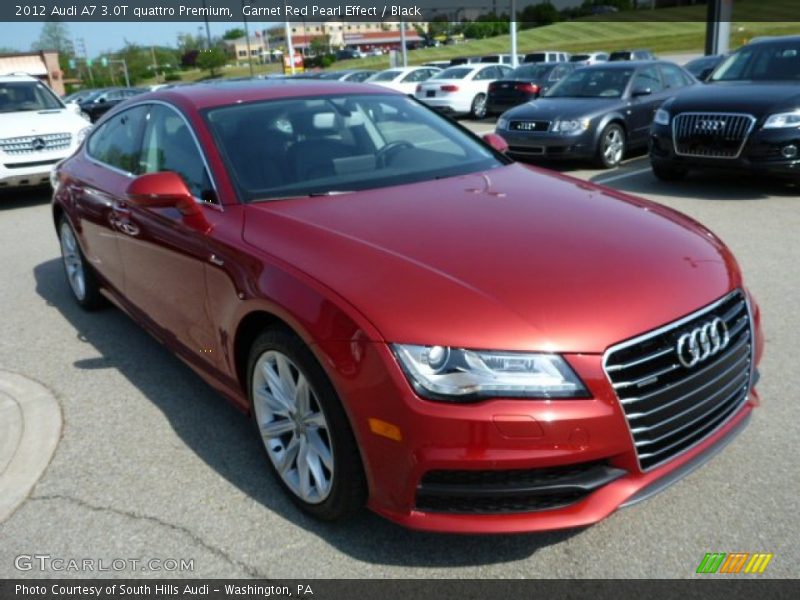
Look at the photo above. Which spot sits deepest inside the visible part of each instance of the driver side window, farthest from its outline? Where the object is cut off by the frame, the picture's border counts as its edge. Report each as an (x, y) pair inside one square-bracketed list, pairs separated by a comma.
[(169, 146)]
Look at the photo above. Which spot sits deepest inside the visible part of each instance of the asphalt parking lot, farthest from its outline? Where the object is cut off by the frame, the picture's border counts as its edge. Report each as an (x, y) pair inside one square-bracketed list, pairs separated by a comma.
[(153, 464)]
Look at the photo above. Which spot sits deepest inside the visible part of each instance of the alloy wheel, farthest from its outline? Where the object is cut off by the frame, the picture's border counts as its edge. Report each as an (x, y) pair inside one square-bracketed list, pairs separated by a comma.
[(73, 261), (613, 146), (293, 427)]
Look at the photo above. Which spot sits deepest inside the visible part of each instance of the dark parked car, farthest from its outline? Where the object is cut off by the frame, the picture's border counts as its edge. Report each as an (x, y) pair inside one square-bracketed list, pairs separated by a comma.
[(595, 112), (525, 83), (352, 75), (746, 117), (413, 321), (703, 67), (640, 54), (99, 103)]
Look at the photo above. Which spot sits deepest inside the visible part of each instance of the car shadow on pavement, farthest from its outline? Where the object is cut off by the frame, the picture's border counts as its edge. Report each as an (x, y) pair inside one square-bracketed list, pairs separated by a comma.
[(13, 198), (224, 439), (712, 185)]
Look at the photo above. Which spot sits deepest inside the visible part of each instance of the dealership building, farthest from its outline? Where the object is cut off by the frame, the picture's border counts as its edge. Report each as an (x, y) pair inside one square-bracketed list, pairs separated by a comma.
[(42, 65)]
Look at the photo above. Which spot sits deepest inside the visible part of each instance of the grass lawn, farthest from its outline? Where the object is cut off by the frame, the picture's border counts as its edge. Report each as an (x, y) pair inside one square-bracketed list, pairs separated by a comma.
[(672, 30)]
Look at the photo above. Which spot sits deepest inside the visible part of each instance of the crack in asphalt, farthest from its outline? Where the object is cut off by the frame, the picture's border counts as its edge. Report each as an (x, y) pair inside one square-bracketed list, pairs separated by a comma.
[(139, 517)]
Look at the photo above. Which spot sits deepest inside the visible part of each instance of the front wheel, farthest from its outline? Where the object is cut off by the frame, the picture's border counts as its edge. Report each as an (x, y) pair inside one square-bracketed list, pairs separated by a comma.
[(80, 275), (611, 147), (478, 110), (303, 427)]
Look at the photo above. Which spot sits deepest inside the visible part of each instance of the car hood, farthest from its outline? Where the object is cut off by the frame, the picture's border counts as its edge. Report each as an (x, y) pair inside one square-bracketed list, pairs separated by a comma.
[(548, 109), (511, 258), (757, 99), (18, 124)]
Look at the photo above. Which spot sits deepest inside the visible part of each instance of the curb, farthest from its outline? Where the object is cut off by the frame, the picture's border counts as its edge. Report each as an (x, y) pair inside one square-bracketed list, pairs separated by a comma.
[(30, 429)]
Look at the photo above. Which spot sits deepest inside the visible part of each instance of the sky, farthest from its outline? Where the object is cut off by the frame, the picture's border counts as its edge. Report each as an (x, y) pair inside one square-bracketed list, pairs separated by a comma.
[(109, 36)]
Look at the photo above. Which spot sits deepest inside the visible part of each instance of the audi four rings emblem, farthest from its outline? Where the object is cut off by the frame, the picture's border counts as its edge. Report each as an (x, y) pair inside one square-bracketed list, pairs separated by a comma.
[(700, 343)]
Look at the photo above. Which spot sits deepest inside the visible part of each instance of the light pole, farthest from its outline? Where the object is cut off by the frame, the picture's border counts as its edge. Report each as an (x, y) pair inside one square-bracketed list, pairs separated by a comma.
[(289, 46), (208, 29), (513, 32), (247, 38)]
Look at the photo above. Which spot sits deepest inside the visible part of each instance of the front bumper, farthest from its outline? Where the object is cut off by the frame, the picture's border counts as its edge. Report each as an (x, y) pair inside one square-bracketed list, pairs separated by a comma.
[(29, 170), (505, 466), (762, 152), (547, 145)]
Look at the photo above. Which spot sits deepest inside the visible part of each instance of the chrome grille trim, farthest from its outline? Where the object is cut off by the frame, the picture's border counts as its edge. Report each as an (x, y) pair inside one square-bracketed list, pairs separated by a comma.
[(734, 130), (679, 409), (16, 146)]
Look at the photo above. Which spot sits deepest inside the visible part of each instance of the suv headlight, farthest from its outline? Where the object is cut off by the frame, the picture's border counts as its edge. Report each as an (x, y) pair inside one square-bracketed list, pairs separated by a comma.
[(501, 124), (661, 117), (785, 119), (460, 375), (82, 135), (572, 126)]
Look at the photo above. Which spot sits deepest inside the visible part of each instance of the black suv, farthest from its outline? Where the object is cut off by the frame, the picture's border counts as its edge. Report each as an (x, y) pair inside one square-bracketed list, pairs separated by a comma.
[(746, 117)]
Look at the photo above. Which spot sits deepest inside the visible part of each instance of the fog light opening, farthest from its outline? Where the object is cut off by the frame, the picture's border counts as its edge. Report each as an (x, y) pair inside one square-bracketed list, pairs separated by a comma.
[(387, 430), (789, 151)]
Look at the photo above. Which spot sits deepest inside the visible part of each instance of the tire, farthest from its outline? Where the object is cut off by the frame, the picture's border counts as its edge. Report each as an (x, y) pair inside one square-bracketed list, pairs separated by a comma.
[(478, 110), (667, 172), (80, 276), (611, 146), (330, 483)]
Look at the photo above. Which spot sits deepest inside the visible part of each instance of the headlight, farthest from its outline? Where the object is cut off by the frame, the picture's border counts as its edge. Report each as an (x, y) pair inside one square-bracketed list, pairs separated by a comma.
[(82, 134), (459, 375), (661, 117), (501, 124), (780, 120), (572, 126)]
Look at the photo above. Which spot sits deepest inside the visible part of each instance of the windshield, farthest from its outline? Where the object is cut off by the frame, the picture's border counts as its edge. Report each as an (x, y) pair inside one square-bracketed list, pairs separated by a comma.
[(592, 83), (536, 57), (453, 73), (532, 72), (762, 62), (579, 57), (16, 96), (386, 76), (340, 143)]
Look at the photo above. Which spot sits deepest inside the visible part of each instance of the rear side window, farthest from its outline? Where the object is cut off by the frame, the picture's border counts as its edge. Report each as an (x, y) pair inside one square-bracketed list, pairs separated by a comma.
[(674, 77), (116, 142)]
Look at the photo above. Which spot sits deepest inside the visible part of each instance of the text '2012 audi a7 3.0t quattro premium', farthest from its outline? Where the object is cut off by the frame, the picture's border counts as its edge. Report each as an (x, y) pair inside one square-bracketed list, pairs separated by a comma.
[(414, 321)]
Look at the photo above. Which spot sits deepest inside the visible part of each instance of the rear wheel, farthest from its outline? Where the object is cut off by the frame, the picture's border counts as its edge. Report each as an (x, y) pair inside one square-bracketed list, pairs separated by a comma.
[(479, 107), (303, 427), (611, 148), (80, 275), (667, 172)]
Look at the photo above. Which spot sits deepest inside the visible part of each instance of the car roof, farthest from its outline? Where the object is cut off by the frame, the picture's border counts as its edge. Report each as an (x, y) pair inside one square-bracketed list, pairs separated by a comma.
[(768, 39), (626, 64), (220, 93), (9, 77)]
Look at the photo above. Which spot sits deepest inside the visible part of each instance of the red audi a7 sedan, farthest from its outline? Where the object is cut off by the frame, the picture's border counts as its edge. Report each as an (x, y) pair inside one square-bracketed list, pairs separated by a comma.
[(414, 322)]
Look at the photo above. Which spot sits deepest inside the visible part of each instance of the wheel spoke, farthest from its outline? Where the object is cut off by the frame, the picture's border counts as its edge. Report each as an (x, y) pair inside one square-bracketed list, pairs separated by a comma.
[(320, 449), (302, 396), (285, 373), (275, 429), (272, 402), (315, 419), (303, 471), (315, 468), (289, 457), (276, 386)]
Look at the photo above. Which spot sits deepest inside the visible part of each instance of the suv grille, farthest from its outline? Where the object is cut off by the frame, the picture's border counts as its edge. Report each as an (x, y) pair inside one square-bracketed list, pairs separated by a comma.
[(31, 144), (671, 407), (711, 135)]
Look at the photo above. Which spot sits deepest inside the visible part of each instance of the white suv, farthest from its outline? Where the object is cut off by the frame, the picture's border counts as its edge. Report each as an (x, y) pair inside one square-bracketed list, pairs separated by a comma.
[(36, 131)]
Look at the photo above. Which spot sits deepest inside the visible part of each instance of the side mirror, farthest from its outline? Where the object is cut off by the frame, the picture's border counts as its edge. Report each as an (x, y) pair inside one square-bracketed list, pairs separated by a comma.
[(73, 107), (101, 100), (496, 142), (168, 190), (641, 91)]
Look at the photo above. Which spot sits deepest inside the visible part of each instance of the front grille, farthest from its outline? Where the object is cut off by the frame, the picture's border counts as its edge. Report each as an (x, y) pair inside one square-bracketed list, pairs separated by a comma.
[(711, 135), (671, 407), (511, 491), (31, 144)]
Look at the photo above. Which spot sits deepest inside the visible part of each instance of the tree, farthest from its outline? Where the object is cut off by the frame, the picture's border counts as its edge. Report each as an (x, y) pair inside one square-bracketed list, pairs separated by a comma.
[(233, 34), (54, 36), (211, 60), (320, 45), (187, 42), (538, 15)]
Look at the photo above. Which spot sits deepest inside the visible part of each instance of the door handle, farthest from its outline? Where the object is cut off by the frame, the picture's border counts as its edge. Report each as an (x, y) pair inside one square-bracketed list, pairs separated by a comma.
[(216, 260)]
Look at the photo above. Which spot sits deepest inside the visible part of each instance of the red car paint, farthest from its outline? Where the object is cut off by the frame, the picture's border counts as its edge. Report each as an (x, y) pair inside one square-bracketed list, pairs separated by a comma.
[(513, 259)]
